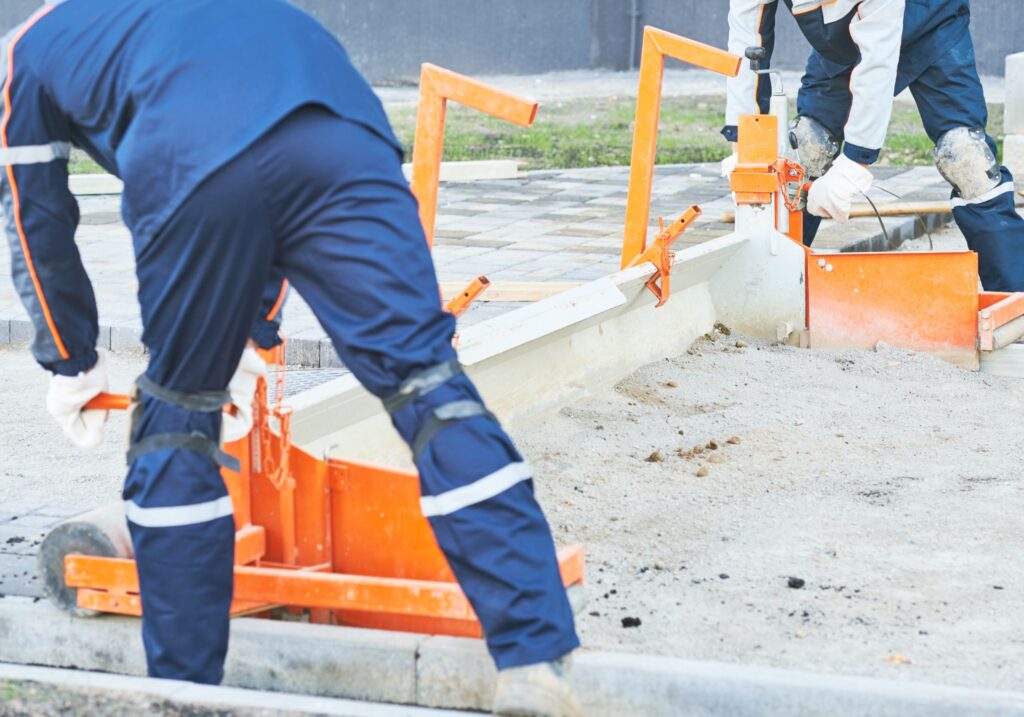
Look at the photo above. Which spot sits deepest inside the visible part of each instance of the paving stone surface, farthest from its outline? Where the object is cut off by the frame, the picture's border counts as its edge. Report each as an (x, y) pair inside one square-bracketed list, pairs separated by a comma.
[(563, 225)]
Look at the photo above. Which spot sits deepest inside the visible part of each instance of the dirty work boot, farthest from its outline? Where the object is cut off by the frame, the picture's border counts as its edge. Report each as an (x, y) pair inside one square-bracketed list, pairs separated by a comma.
[(540, 690)]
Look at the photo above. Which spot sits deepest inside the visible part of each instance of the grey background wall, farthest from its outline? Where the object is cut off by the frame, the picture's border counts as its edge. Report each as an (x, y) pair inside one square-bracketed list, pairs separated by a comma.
[(388, 39)]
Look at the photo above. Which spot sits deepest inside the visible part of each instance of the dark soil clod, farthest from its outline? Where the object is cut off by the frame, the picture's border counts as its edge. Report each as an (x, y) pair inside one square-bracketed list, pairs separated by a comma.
[(795, 583), (631, 622)]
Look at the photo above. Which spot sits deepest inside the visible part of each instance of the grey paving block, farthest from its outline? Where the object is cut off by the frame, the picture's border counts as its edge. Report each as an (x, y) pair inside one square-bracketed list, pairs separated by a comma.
[(5, 332), (302, 352), (18, 575), (21, 540), (126, 339), (60, 510), (21, 333), (328, 356)]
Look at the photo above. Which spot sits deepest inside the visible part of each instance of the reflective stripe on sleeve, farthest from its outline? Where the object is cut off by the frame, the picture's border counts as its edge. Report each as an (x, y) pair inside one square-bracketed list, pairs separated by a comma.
[(34, 153), (178, 515), (1004, 188), (476, 492)]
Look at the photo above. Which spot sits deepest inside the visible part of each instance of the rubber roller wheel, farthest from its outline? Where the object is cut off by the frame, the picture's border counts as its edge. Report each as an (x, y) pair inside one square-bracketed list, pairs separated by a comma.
[(102, 533)]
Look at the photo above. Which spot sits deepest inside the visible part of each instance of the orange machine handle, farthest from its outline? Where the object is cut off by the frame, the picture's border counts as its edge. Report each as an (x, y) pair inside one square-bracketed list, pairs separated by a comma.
[(109, 402), (121, 402)]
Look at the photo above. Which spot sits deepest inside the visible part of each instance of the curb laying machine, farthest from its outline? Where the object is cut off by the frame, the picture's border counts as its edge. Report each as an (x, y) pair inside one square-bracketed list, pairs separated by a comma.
[(341, 538)]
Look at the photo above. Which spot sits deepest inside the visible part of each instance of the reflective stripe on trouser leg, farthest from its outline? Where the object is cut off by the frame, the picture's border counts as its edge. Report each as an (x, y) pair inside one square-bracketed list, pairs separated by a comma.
[(995, 230), (183, 533), (479, 499)]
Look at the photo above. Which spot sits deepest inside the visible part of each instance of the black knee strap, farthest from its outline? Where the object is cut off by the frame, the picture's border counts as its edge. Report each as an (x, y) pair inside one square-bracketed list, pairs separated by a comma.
[(422, 383), (195, 442), (200, 402), (444, 416)]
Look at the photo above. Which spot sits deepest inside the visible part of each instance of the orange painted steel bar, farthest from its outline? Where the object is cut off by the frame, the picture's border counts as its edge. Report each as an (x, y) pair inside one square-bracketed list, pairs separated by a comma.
[(437, 86), (109, 402), (658, 45), (307, 588), (459, 304), (991, 317)]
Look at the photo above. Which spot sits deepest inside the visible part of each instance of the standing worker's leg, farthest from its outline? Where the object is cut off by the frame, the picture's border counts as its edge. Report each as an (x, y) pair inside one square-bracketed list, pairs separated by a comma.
[(200, 281), (353, 247), (951, 101), (822, 106)]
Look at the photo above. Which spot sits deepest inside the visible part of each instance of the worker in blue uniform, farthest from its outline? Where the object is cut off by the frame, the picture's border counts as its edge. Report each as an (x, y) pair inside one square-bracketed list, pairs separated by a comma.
[(252, 152), (864, 53)]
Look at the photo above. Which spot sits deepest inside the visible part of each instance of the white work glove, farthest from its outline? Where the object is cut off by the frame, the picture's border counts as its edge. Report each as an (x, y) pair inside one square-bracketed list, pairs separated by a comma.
[(243, 391), (832, 195), (729, 163), (69, 394)]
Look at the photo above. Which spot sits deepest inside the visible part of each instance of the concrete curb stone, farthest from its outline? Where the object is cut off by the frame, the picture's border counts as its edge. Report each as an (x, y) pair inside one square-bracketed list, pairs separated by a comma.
[(232, 698), (457, 673)]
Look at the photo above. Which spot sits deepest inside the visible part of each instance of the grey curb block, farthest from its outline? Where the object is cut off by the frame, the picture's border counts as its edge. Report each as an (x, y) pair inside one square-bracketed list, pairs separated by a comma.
[(457, 673), (231, 698)]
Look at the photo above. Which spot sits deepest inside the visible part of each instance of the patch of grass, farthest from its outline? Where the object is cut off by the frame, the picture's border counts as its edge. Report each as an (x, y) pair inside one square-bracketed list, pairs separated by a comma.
[(599, 132), (80, 163), (581, 133)]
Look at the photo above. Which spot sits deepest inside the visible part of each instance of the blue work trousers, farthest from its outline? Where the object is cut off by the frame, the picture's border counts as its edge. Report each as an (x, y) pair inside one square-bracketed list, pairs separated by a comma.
[(322, 202)]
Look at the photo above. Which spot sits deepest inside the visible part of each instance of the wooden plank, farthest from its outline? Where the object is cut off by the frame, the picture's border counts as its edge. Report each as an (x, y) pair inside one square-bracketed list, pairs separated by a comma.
[(512, 291)]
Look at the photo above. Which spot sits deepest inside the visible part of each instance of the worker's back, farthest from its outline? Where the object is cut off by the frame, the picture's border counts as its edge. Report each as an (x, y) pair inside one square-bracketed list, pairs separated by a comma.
[(164, 93)]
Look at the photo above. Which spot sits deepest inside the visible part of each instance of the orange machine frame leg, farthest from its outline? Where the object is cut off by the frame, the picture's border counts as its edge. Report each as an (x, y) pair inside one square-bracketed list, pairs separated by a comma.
[(658, 45)]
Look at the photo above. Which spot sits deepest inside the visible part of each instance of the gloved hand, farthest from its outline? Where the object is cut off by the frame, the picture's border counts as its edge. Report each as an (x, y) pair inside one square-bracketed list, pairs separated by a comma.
[(243, 390), (68, 394), (730, 162), (833, 194)]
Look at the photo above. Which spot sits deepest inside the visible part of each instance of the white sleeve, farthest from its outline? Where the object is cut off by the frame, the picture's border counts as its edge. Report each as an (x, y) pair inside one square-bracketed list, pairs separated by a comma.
[(745, 17), (877, 29)]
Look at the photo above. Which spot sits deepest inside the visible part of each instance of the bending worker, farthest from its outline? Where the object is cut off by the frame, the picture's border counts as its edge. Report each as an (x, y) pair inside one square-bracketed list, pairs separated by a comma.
[(251, 150), (864, 53)]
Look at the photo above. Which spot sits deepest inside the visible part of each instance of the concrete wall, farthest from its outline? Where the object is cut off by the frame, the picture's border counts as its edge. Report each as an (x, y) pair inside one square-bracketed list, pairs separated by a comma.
[(388, 39)]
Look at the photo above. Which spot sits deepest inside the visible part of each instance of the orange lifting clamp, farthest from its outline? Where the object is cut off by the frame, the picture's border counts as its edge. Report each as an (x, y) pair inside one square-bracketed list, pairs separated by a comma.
[(658, 254)]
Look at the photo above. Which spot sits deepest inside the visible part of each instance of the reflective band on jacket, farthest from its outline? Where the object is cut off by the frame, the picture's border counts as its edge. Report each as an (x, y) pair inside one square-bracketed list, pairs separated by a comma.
[(1004, 188), (179, 514), (476, 492), (35, 153)]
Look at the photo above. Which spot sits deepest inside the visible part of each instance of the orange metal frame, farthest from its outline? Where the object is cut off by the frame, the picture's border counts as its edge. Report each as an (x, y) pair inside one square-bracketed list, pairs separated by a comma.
[(437, 86), (345, 540), (658, 45)]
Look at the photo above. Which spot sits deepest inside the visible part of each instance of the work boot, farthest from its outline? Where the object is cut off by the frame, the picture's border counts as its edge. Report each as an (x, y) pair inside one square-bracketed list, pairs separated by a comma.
[(540, 690)]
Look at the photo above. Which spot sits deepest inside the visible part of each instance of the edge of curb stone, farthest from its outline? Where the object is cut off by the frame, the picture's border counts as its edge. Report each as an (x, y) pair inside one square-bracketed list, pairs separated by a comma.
[(456, 673), (193, 695), (319, 352)]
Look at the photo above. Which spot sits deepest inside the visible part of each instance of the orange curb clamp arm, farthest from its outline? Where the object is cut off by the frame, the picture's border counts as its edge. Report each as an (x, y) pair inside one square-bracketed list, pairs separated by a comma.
[(658, 254), (437, 86), (658, 45)]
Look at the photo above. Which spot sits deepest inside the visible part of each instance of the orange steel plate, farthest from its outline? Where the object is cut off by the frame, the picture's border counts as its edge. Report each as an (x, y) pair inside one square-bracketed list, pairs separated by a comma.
[(920, 301)]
